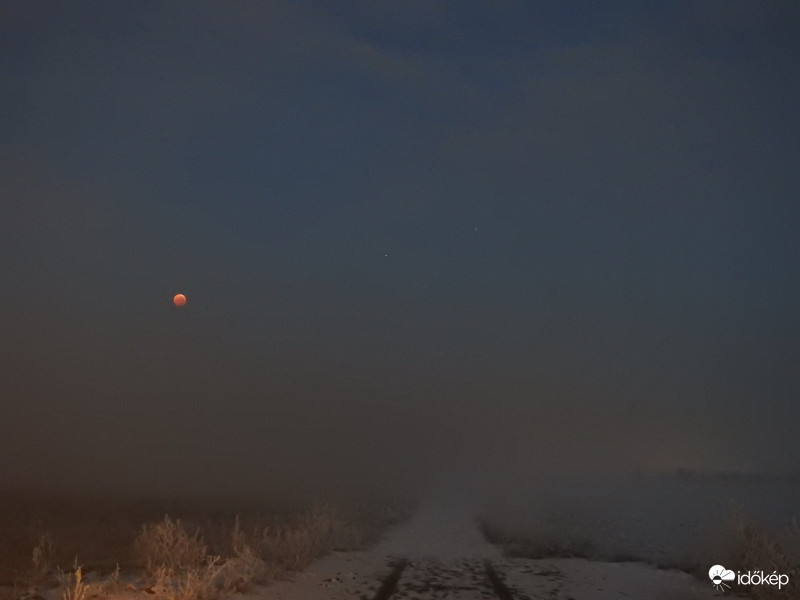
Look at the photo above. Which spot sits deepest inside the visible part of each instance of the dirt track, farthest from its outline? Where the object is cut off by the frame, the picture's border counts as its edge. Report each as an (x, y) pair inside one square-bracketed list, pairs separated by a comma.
[(440, 554)]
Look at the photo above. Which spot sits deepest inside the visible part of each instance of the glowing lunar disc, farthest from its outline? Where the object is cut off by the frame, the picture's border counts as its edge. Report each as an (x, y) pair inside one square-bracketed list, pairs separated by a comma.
[(179, 300)]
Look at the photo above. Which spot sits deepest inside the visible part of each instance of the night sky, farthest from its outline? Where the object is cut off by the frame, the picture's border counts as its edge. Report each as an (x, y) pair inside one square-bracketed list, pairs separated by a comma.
[(419, 240)]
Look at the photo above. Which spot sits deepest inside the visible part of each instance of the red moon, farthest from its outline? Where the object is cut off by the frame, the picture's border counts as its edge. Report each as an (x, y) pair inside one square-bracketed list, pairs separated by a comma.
[(179, 300)]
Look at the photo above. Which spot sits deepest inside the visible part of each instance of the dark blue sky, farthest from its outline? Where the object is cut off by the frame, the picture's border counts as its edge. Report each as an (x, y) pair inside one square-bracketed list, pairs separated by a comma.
[(410, 234)]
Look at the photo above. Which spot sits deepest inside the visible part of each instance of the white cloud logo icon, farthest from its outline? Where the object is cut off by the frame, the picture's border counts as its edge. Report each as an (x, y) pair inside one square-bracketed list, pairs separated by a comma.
[(719, 575)]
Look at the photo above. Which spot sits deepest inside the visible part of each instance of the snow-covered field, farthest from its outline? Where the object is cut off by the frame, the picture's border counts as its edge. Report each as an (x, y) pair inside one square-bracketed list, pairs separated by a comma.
[(440, 552), (447, 557), (659, 519)]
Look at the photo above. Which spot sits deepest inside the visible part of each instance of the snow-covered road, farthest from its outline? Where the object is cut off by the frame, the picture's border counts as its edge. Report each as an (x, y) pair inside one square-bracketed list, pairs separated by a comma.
[(440, 554)]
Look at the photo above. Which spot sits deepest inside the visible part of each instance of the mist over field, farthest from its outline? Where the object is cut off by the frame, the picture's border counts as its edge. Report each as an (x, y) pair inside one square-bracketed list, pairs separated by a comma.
[(176, 411)]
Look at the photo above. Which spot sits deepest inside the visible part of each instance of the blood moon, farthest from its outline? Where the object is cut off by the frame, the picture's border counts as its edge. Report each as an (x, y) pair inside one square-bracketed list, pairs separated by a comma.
[(179, 300)]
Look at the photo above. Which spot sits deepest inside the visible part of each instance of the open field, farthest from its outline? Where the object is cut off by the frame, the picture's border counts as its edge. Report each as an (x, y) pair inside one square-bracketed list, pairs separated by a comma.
[(687, 522)]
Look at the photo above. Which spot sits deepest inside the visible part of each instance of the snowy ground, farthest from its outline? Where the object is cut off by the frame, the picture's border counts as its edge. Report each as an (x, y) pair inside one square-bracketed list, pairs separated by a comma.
[(440, 554), (446, 558)]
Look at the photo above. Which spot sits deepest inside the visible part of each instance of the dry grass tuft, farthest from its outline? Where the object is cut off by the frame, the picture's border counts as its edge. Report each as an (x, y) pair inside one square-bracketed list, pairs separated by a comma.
[(167, 545), (246, 566), (178, 563), (42, 556), (759, 549), (202, 582), (73, 585), (294, 545)]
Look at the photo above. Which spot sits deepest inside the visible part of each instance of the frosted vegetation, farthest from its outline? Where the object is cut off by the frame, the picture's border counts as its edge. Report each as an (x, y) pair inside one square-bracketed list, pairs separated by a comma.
[(199, 552)]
